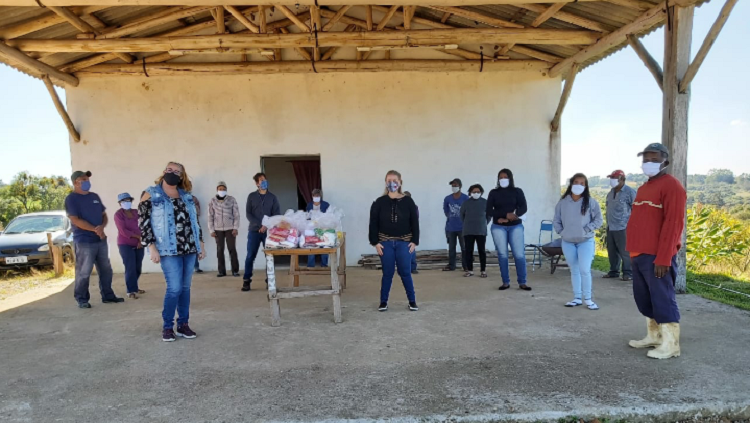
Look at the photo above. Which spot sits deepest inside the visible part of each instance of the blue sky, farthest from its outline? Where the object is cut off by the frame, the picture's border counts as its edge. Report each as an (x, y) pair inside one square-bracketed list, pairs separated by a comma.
[(614, 110)]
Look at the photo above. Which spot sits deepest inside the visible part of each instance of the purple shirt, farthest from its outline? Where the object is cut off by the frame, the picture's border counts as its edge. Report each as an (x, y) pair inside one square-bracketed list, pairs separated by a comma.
[(127, 227)]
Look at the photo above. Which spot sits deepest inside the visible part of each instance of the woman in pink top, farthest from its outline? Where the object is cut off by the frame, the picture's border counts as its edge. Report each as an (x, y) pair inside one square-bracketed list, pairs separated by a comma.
[(129, 243)]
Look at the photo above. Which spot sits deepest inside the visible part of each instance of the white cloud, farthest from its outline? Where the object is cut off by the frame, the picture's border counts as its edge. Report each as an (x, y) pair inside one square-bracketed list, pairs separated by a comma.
[(738, 122)]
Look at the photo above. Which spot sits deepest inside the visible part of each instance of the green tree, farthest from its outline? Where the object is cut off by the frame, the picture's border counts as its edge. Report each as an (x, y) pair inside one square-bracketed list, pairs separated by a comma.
[(712, 235), (52, 192), (743, 181), (720, 175), (25, 189)]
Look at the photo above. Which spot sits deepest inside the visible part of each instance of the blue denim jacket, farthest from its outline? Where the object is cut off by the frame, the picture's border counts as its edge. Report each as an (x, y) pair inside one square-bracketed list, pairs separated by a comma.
[(163, 221)]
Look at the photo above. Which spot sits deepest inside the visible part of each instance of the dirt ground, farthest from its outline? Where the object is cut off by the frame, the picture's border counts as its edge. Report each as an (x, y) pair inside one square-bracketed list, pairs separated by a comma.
[(470, 354)]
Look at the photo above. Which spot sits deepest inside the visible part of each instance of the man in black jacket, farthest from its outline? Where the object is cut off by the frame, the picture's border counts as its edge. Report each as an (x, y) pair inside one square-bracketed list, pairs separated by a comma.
[(259, 203)]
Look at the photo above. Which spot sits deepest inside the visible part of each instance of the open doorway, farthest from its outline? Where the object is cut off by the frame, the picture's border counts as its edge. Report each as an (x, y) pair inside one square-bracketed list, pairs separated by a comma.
[(292, 179)]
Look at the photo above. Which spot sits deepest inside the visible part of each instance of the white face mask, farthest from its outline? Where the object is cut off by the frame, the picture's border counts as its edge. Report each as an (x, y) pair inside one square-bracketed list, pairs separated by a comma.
[(504, 183), (651, 169), (316, 199), (221, 194), (126, 205), (455, 189), (614, 182), (578, 189), (476, 195)]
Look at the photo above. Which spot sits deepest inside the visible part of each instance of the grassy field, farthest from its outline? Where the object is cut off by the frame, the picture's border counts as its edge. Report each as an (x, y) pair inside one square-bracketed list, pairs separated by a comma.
[(16, 282), (707, 285)]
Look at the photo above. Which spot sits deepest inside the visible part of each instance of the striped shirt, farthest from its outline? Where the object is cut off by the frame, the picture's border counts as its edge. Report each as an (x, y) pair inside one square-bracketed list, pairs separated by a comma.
[(223, 215)]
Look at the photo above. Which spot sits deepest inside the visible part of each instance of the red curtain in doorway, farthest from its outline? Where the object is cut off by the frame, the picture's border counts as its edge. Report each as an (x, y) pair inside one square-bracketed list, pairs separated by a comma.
[(307, 173)]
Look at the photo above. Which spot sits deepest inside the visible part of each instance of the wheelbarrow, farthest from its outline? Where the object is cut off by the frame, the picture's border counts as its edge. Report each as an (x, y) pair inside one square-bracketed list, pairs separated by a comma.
[(552, 251)]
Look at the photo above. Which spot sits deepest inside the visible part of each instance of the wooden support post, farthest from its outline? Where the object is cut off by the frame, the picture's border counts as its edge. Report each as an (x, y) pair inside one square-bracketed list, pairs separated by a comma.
[(446, 16), (333, 263), (271, 275), (342, 261), (408, 15), (555, 125), (677, 38), (294, 269), (61, 109), (383, 22), (368, 14), (262, 19), (708, 42), (56, 253), (220, 20), (651, 64)]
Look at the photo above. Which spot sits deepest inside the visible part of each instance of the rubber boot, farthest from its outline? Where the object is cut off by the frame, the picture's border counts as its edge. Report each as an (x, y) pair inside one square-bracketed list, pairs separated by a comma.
[(653, 336), (670, 346)]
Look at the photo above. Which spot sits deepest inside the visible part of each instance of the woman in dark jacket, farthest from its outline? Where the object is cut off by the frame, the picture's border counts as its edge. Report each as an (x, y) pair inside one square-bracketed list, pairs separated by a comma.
[(475, 221), (394, 232), (505, 205), (317, 204)]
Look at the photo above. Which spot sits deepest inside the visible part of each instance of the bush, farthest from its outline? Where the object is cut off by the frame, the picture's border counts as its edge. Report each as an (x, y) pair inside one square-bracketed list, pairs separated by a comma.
[(715, 238)]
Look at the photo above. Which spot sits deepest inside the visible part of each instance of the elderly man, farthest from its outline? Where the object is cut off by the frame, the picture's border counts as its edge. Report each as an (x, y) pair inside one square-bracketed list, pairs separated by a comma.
[(654, 236), (619, 206), (89, 217), (223, 224)]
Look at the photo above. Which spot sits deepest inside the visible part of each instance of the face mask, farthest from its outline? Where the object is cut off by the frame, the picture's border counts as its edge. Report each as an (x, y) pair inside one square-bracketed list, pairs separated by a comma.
[(455, 189), (264, 184), (578, 189), (86, 185), (171, 179), (316, 199), (614, 183), (126, 205), (504, 183), (392, 186), (476, 195), (221, 194), (651, 169)]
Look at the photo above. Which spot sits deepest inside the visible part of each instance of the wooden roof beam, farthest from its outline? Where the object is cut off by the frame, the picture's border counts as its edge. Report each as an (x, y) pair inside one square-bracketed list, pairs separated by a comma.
[(555, 125), (110, 3), (46, 21), (36, 66), (547, 14), (85, 27), (421, 37), (243, 19), (61, 109), (335, 18), (388, 16), (568, 17), (289, 14), (651, 64), (479, 17), (639, 5), (708, 42)]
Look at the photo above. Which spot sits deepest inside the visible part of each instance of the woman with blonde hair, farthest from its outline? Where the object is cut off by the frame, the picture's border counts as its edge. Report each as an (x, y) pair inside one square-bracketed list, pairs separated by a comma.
[(170, 230), (394, 232)]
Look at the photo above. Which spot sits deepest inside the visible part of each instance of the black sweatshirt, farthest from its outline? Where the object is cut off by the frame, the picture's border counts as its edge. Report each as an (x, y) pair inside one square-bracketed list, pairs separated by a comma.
[(502, 201), (394, 218)]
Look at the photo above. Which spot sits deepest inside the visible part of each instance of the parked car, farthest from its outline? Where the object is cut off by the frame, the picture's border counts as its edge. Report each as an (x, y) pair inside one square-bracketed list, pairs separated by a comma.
[(23, 243)]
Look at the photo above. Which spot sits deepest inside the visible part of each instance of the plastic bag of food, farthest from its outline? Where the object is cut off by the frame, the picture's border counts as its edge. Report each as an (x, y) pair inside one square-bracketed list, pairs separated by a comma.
[(281, 230)]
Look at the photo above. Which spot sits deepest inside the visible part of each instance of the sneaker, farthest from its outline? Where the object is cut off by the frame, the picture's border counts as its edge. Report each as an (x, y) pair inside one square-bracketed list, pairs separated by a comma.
[(221, 275), (383, 307), (413, 307), (246, 285), (167, 335), (199, 271), (235, 274), (133, 296), (113, 300), (84, 305), (185, 331), (415, 272)]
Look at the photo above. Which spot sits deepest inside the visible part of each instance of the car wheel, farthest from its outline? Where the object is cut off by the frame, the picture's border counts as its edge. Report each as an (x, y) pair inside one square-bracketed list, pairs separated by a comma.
[(67, 255)]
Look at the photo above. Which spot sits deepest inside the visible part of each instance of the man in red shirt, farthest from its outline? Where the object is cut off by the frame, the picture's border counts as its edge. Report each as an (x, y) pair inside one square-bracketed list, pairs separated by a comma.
[(654, 234)]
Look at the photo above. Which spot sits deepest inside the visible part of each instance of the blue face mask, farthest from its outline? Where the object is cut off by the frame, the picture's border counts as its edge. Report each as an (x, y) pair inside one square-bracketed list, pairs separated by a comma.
[(86, 185), (392, 186), (264, 185)]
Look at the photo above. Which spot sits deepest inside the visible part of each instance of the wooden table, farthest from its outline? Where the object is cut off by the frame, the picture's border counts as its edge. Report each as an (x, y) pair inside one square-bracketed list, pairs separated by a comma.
[(275, 293)]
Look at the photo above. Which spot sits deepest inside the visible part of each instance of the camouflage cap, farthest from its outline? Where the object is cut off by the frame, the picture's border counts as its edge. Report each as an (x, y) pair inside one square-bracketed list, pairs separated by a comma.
[(655, 148)]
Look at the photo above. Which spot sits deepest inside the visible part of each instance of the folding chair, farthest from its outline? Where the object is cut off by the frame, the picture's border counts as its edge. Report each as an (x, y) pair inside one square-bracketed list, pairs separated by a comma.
[(536, 259)]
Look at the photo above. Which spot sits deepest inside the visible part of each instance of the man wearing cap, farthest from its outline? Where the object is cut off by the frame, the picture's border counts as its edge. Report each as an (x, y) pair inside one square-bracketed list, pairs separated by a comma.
[(89, 217), (223, 223), (619, 206), (654, 234), (453, 224)]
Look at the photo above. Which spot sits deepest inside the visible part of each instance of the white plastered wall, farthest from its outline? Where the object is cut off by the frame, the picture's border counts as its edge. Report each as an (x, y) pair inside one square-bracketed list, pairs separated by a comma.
[(432, 127)]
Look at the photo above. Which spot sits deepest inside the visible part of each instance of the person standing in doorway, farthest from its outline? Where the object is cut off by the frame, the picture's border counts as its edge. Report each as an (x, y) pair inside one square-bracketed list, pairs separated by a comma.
[(198, 212), (394, 232), (654, 238), (259, 203), (414, 269), (89, 217), (317, 204), (224, 224), (475, 221), (129, 243), (577, 217), (619, 206), (506, 204), (169, 224), (453, 226)]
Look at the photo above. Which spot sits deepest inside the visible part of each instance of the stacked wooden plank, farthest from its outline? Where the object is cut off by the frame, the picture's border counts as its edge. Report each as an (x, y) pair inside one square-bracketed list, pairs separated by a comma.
[(426, 260)]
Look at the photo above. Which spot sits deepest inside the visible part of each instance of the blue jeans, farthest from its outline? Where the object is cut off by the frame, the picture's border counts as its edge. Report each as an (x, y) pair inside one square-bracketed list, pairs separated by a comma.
[(396, 255), (414, 261), (132, 258), (254, 239), (323, 260), (178, 272), (513, 235), (89, 255), (655, 297), (579, 256)]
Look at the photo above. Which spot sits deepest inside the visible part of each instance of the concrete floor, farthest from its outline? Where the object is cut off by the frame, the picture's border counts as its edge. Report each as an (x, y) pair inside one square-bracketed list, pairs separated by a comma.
[(472, 353)]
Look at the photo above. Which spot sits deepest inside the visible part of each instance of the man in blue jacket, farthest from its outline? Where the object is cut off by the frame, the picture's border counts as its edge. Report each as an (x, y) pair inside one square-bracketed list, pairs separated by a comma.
[(453, 224), (317, 204), (259, 203)]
